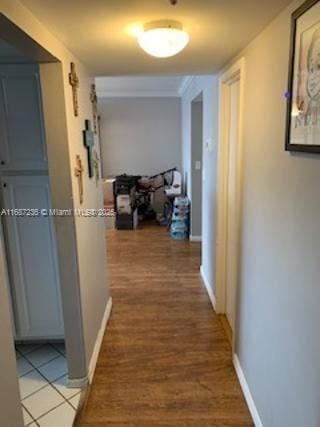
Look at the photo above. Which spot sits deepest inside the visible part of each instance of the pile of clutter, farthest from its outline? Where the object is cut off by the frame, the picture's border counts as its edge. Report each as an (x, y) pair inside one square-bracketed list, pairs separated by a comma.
[(180, 218)]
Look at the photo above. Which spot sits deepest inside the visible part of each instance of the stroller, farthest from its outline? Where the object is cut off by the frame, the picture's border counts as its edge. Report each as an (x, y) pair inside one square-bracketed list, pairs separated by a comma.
[(148, 185)]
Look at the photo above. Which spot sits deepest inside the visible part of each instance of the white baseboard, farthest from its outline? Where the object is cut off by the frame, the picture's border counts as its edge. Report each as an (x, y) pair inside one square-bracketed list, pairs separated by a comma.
[(246, 391), (77, 383), (195, 238), (97, 346), (208, 288)]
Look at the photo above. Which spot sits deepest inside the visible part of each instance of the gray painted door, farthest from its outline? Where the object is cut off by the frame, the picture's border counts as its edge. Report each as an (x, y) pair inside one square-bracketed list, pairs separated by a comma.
[(32, 258), (21, 122)]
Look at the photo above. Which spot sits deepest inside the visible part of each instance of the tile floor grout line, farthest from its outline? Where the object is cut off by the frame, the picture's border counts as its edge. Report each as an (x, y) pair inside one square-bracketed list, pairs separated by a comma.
[(34, 392), (29, 413), (72, 406), (69, 400), (51, 410), (59, 351), (40, 366), (47, 363), (48, 383), (52, 384), (26, 373), (31, 351)]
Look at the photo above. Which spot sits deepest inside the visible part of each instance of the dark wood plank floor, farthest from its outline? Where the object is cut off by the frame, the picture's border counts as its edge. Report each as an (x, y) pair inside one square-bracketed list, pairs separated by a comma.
[(165, 359)]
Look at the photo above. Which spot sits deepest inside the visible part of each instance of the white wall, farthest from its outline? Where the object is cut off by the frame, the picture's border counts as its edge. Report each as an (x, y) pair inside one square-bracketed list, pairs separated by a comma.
[(89, 232), (278, 307), (208, 85), (140, 135)]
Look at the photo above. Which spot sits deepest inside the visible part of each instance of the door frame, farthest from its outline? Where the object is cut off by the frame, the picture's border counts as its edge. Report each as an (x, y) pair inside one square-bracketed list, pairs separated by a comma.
[(52, 83), (196, 237), (11, 408), (232, 74)]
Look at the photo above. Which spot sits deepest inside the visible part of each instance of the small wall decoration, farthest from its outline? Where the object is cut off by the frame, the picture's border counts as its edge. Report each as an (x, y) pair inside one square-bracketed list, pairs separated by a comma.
[(303, 112), (74, 82), (94, 102), (78, 171), (88, 140), (96, 166), (99, 126)]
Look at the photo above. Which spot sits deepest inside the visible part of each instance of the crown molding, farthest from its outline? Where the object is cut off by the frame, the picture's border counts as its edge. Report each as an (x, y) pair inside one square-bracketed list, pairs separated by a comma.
[(185, 84), (138, 94)]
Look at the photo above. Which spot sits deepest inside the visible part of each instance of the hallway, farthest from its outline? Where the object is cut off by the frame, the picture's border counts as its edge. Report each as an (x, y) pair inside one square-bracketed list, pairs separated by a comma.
[(165, 359)]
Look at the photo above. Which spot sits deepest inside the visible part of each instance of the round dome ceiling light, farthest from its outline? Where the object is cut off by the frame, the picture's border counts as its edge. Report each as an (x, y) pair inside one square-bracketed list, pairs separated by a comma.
[(163, 39)]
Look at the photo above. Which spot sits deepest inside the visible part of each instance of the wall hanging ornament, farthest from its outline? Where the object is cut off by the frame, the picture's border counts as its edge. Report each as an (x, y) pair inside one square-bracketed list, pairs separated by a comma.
[(94, 102), (96, 166), (88, 140), (74, 83), (78, 171)]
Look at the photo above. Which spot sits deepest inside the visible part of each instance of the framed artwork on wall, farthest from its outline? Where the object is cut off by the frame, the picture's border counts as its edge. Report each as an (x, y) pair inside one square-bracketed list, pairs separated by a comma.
[(303, 96)]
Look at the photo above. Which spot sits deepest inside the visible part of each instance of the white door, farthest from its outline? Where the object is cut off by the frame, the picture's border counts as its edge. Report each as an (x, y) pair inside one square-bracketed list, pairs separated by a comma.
[(232, 205), (21, 121), (32, 259)]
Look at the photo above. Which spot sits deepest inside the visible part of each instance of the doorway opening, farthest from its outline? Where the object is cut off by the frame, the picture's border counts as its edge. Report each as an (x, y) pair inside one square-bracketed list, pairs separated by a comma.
[(229, 195), (42, 287), (140, 118), (196, 167)]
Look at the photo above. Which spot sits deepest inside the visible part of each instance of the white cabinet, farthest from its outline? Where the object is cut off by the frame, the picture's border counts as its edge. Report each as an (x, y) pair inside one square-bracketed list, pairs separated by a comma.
[(33, 266), (22, 134)]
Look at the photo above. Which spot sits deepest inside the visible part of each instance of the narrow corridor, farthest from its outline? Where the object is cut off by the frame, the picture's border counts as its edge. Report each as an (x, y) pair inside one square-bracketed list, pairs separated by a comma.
[(165, 359)]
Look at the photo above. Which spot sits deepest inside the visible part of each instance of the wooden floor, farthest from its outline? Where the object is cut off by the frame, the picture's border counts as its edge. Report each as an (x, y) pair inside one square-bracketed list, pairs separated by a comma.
[(165, 359)]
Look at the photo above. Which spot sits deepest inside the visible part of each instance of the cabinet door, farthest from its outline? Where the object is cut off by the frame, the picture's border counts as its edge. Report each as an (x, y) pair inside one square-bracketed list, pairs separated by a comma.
[(32, 258), (22, 138)]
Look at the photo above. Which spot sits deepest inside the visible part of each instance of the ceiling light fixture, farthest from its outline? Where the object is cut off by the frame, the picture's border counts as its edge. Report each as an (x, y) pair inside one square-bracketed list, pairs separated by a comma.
[(163, 38)]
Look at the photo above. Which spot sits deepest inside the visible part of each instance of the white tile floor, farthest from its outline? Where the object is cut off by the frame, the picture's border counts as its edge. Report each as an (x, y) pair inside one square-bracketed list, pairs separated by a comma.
[(46, 400)]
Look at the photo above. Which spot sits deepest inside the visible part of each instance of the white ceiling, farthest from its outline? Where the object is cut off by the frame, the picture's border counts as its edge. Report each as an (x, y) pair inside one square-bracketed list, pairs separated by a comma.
[(141, 86), (98, 31)]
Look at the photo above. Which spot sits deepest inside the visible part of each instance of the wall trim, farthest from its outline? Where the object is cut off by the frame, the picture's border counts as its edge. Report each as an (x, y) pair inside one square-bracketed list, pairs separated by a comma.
[(97, 346), (195, 238), (77, 382), (186, 82), (83, 382), (208, 289), (246, 391), (232, 74), (139, 94)]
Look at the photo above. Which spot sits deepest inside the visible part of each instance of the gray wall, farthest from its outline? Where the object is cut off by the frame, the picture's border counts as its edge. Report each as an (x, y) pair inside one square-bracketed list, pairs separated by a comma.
[(10, 406), (140, 135), (60, 183), (208, 86), (196, 155), (278, 344)]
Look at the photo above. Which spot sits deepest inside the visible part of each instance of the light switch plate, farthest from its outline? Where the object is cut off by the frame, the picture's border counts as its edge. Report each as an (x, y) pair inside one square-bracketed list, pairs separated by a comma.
[(209, 144), (197, 165)]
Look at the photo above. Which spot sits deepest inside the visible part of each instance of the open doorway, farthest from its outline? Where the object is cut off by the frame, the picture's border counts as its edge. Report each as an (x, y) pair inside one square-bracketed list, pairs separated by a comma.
[(42, 287), (141, 151), (229, 197), (196, 168), (30, 237)]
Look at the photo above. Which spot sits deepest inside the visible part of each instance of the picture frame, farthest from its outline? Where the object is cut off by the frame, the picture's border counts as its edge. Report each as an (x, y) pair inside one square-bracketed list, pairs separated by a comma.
[(303, 95)]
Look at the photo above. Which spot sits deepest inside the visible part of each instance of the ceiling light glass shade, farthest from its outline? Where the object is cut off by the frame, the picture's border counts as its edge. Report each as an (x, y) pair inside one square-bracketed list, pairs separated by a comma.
[(163, 39)]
